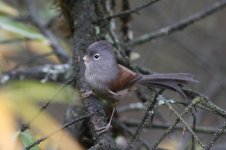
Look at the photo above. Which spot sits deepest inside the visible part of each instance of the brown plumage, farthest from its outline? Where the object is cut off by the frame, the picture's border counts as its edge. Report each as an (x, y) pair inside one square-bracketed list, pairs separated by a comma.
[(127, 78)]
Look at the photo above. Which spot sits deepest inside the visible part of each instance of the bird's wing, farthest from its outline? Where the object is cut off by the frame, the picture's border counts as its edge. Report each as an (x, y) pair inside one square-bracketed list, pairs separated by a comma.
[(126, 79)]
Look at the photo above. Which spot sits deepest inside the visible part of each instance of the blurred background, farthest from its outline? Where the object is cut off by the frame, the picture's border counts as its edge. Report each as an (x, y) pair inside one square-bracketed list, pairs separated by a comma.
[(198, 49)]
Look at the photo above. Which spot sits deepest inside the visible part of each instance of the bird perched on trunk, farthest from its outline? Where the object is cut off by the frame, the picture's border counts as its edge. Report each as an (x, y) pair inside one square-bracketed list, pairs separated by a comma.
[(111, 80)]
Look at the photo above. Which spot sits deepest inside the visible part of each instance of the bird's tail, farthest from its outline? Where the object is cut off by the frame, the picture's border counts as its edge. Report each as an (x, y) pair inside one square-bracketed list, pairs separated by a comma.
[(173, 81)]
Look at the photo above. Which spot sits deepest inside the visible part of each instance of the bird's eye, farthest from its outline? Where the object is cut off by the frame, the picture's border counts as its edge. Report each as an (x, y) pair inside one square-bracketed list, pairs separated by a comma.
[(96, 56)]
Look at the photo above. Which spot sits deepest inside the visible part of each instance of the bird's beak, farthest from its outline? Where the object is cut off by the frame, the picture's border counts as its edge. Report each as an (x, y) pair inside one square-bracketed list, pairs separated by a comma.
[(85, 58)]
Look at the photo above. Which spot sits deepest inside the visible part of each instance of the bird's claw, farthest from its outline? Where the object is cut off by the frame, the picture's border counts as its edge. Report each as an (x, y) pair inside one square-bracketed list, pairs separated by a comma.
[(103, 129), (107, 127)]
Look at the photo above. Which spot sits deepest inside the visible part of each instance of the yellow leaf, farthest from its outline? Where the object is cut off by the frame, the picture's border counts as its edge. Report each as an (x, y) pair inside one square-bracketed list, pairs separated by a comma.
[(6, 9), (46, 125), (7, 125)]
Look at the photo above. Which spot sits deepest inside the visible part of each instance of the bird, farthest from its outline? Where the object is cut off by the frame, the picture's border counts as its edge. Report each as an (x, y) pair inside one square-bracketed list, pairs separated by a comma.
[(111, 80)]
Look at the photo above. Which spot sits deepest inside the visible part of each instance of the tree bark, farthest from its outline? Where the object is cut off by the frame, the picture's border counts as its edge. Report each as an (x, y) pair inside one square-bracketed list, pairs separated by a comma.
[(83, 13)]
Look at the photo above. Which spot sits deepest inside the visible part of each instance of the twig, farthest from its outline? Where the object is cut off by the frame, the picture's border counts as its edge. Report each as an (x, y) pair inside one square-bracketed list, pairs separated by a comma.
[(203, 130), (139, 106), (185, 123), (213, 108), (146, 116), (54, 43), (105, 23), (126, 12), (26, 126), (216, 135), (125, 28), (124, 128), (30, 60), (180, 25), (211, 89), (54, 132), (170, 129), (193, 128)]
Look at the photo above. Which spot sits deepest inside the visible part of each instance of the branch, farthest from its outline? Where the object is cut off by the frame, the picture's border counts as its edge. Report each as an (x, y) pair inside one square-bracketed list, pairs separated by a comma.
[(32, 59), (57, 73), (148, 113), (85, 34), (194, 122), (170, 129), (45, 105), (186, 125), (180, 25), (126, 12), (54, 43), (216, 135), (140, 106), (213, 108), (125, 129), (203, 130)]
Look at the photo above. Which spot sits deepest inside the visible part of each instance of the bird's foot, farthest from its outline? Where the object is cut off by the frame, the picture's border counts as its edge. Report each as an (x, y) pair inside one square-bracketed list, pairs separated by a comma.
[(104, 129), (107, 127)]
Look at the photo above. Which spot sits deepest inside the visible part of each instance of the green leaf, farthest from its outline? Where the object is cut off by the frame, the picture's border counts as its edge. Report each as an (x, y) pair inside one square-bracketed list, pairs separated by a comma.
[(27, 139), (22, 29)]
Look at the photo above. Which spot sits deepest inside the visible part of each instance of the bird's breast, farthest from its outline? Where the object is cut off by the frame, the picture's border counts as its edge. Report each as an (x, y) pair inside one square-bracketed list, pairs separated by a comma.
[(97, 81)]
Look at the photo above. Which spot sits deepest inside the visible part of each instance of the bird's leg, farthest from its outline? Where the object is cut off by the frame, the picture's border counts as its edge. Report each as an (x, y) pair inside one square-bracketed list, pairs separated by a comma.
[(108, 126)]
